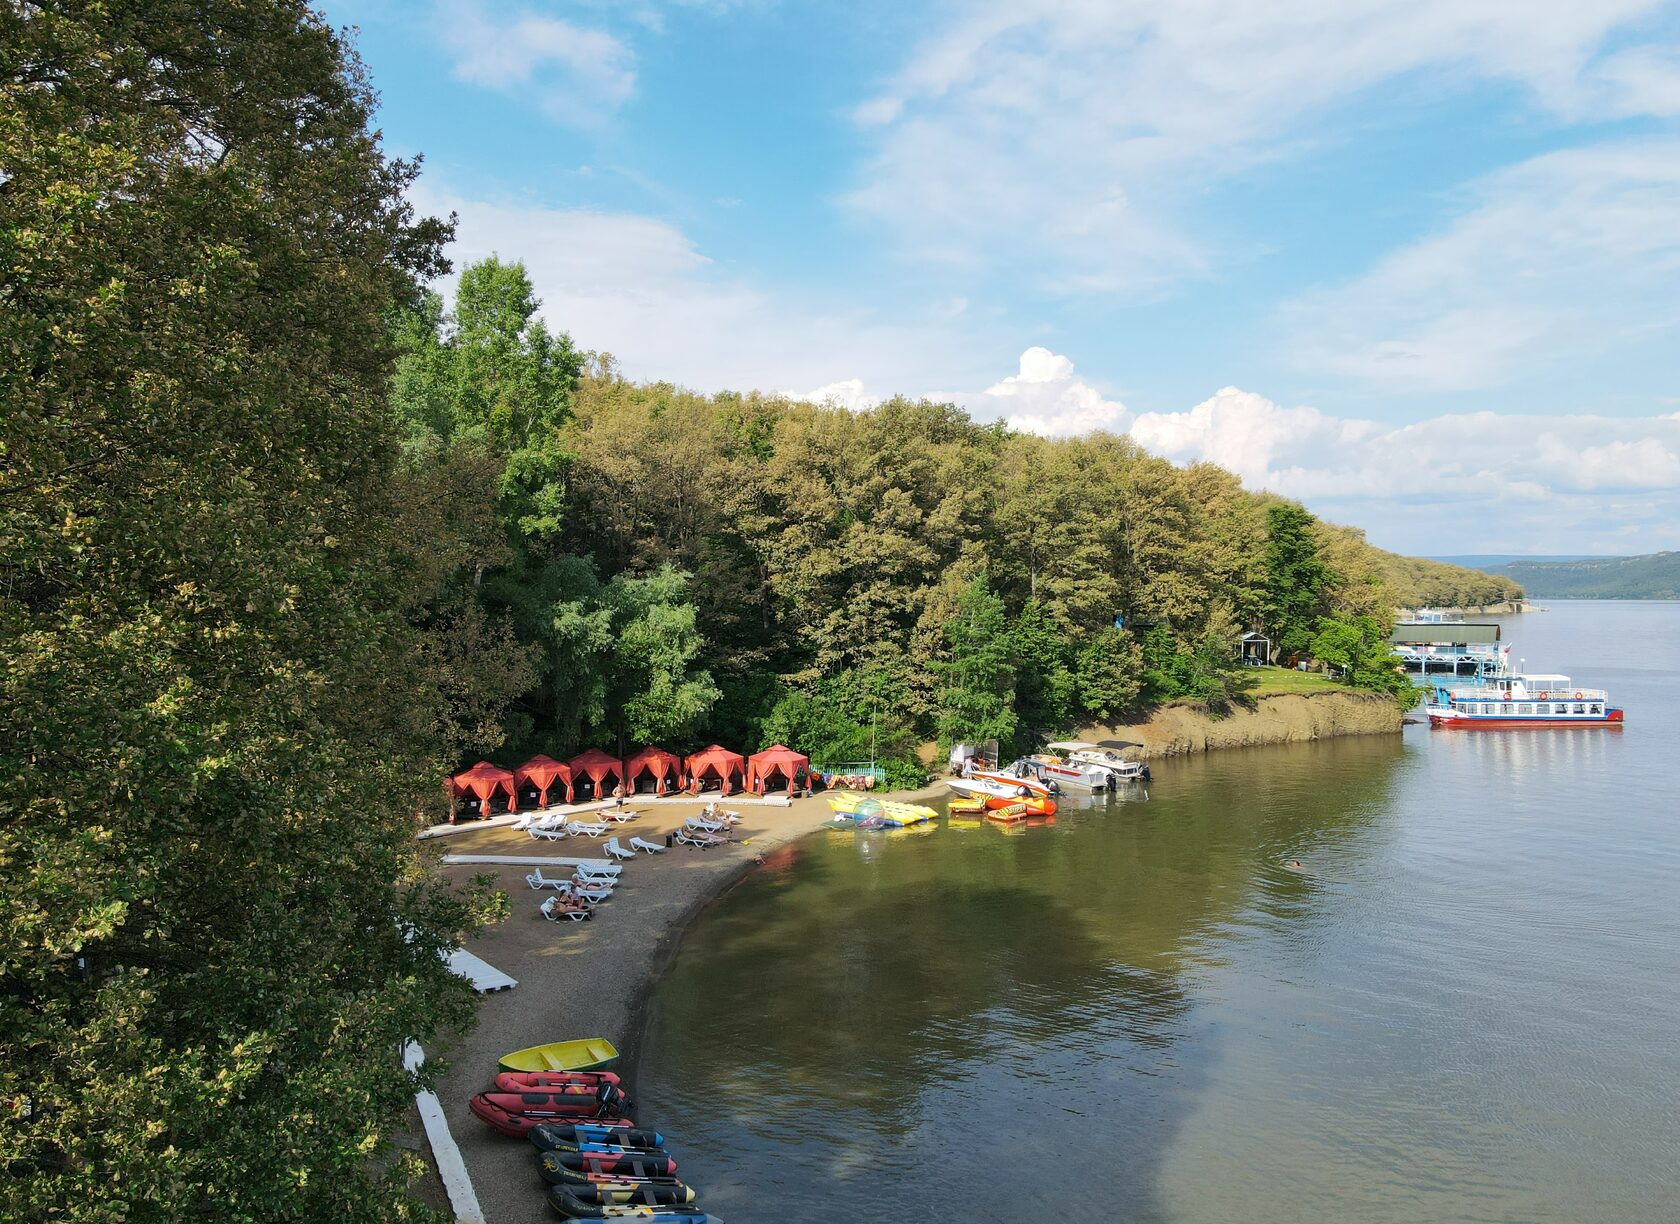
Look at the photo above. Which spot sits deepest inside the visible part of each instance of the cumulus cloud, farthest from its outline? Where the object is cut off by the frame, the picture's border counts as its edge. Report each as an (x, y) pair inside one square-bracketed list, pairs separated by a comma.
[(578, 74), (640, 288), (1070, 136), (1519, 278), (847, 393), (1044, 397), (1453, 483)]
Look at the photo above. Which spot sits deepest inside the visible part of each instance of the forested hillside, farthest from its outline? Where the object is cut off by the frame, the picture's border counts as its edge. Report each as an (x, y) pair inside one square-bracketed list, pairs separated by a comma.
[(681, 567), (1652, 576)]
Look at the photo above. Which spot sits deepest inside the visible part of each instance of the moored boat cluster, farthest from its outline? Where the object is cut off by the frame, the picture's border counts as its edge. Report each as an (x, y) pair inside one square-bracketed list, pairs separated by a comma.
[(596, 1161)]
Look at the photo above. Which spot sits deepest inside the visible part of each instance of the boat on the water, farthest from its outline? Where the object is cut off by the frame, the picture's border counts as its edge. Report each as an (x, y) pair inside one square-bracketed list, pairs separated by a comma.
[(586, 1054), (1065, 773), (1522, 702), (966, 805), (1002, 783), (1010, 811), (1094, 756)]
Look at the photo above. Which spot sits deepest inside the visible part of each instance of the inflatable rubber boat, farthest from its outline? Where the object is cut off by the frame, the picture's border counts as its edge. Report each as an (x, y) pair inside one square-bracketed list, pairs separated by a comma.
[(547, 1135), (650, 1194), (558, 1167), (553, 1081), (569, 1206)]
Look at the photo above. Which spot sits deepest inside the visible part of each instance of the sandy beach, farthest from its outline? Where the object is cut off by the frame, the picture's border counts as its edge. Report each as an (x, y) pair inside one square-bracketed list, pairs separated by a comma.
[(583, 979)]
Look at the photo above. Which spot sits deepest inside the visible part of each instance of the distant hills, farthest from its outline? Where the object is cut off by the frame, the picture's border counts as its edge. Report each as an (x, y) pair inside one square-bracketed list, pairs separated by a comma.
[(1653, 576)]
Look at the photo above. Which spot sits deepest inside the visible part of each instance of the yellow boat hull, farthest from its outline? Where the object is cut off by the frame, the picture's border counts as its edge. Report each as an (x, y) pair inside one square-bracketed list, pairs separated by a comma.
[(587, 1054)]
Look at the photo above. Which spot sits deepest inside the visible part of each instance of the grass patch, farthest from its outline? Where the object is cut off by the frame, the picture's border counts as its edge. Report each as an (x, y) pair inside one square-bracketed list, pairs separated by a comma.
[(1273, 681)]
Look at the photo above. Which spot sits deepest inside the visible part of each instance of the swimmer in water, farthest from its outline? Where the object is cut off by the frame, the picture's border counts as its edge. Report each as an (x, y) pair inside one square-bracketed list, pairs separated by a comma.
[(1294, 865)]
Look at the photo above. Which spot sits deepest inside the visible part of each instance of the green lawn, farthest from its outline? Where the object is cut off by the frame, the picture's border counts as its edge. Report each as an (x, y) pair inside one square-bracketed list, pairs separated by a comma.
[(1274, 680)]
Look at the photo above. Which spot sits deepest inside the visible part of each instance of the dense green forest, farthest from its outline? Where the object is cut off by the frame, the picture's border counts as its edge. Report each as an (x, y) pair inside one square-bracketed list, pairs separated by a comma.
[(222, 709), (648, 563), (283, 540), (1651, 576)]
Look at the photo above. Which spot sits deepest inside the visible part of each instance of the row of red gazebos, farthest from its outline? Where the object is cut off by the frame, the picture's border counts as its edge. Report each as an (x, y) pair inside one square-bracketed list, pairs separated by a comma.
[(537, 782)]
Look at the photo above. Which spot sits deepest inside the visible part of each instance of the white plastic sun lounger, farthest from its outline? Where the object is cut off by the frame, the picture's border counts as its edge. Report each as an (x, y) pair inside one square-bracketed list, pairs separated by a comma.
[(618, 815), (587, 828), (704, 825), (695, 837), (619, 852), (646, 847), (597, 867), (538, 880), (556, 834), (555, 910)]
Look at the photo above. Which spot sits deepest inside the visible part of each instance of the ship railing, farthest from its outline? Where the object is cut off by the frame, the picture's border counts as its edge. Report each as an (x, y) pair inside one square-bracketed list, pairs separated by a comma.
[(1497, 695)]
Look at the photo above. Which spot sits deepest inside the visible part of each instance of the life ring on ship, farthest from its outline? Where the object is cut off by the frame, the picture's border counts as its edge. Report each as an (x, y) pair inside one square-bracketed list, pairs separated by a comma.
[(1507, 695), (1544, 695), (1577, 694)]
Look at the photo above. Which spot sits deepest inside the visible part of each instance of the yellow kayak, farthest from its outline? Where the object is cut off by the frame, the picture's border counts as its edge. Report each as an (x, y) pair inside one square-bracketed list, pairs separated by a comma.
[(587, 1054)]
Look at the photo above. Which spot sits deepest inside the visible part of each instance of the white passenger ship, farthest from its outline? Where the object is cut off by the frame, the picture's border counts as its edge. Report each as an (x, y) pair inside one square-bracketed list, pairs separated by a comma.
[(1524, 701)]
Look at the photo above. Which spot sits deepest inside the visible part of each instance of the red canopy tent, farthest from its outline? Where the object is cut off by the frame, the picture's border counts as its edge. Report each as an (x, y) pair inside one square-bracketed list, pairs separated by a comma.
[(717, 761), (597, 766), (666, 769), (778, 758), (543, 772), (482, 780)]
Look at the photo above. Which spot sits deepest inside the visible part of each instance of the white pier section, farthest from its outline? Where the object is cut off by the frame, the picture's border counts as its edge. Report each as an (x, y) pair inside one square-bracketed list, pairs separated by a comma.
[(452, 1170), (485, 977)]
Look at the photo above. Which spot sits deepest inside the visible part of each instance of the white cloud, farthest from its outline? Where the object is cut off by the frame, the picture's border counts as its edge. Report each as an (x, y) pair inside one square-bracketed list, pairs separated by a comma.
[(1455, 483), (1044, 397), (579, 75), (1569, 252), (847, 393), (1071, 136), (639, 288)]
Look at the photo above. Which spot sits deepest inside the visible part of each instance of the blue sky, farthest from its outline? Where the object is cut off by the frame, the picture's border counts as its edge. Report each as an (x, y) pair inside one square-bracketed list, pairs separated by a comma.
[(1416, 263)]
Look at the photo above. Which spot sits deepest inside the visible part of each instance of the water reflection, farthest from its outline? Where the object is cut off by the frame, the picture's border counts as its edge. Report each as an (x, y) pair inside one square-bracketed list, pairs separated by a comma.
[(909, 1019)]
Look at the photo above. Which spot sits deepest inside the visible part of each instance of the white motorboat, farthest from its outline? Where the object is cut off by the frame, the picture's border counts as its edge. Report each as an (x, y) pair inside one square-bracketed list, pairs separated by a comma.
[(1069, 774), (1094, 756), (1002, 783)]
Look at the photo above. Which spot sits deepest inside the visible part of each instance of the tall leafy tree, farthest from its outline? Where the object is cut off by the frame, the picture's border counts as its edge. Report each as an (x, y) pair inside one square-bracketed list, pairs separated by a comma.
[(219, 723), (976, 697), (1296, 579), (1044, 679)]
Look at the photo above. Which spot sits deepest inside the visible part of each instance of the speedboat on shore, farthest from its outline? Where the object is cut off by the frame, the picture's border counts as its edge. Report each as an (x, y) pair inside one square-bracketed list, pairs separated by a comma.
[(1521, 703), (1092, 756)]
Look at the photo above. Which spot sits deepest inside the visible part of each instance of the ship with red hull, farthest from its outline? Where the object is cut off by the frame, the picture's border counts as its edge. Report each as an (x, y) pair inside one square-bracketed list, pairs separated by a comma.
[(1521, 703)]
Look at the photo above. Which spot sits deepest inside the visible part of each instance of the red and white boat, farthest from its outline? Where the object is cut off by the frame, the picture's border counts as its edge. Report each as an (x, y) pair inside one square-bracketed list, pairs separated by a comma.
[(1521, 702), (1012, 782)]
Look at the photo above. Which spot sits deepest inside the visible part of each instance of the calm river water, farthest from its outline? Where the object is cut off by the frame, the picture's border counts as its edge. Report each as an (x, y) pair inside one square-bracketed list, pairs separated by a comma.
[(1465, 1009)]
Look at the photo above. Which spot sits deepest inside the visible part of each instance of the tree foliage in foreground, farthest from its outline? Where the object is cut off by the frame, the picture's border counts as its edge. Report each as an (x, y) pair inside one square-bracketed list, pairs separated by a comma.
[(219, 719)]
